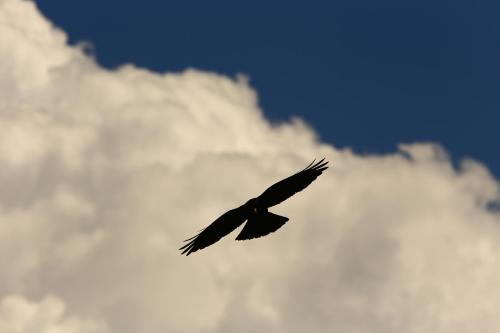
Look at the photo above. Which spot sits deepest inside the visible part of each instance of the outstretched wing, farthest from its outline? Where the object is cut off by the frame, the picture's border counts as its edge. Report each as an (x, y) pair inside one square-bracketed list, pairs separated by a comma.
[(284, 189), (226, 223)]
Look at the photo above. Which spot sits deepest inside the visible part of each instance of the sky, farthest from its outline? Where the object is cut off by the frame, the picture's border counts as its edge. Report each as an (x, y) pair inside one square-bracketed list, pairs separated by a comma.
[(104, 170), (366, 75)]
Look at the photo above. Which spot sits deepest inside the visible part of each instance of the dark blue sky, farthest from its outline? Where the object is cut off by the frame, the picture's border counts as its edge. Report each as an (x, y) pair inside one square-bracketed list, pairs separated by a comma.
[(365, 74)]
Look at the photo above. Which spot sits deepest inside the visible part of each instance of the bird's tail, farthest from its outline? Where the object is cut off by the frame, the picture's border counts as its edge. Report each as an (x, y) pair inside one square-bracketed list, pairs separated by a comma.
[(261, 225)]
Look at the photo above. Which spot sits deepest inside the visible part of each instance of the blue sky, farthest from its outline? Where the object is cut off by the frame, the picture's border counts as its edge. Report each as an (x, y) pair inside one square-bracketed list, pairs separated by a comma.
[(364, 74)]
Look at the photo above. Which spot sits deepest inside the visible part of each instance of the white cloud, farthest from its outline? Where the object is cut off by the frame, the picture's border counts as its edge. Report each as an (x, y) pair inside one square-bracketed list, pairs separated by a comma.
[(18, 315), (103, 173)]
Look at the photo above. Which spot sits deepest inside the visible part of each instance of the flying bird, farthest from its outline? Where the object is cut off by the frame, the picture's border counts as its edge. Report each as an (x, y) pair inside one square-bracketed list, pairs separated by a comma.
[(260, 221)]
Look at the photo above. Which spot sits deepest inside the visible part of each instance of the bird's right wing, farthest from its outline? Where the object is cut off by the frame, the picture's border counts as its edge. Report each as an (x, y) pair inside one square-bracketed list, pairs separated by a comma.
[(287, 187), (226, 223)]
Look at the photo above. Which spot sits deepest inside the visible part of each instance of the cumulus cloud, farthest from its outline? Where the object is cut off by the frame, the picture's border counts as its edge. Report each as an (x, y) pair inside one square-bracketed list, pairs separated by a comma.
[(102, 173), (18, 315)]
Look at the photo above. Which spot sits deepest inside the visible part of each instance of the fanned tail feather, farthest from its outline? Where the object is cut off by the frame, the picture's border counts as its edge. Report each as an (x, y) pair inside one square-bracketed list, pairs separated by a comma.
[(261, 225)]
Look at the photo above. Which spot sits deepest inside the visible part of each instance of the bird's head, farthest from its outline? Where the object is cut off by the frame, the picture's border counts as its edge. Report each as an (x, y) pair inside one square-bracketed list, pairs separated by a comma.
[(253, 205), (252, 202)]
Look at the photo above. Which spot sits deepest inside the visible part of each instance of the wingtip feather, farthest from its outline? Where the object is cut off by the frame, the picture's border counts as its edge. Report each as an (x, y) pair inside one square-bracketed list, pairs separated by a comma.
[(184, 246), (310, 164), (187, 240), (316, 165), (320, 165), (188, 249)]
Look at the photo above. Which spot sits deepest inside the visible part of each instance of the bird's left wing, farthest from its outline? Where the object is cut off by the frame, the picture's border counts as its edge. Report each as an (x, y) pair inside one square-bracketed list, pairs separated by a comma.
[(226, 223), (287, 187)]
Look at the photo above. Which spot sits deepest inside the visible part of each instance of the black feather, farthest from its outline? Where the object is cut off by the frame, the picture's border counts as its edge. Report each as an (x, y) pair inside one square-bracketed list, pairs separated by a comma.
[(261, 223)]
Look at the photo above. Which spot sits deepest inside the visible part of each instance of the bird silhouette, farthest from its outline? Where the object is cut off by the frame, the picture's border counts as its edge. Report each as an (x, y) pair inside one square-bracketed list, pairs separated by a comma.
[(260, 221)]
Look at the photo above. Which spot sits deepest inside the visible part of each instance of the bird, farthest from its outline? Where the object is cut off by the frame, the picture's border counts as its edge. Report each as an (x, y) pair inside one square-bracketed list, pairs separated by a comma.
[(259, 221)]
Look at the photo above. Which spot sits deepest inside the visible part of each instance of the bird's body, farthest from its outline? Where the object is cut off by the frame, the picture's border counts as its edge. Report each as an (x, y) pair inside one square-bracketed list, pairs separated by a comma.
[(254, 205), (260, 221)]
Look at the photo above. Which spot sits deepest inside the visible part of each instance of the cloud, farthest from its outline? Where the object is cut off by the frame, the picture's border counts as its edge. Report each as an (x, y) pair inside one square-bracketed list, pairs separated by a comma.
[(103, 173), (18, 315)]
